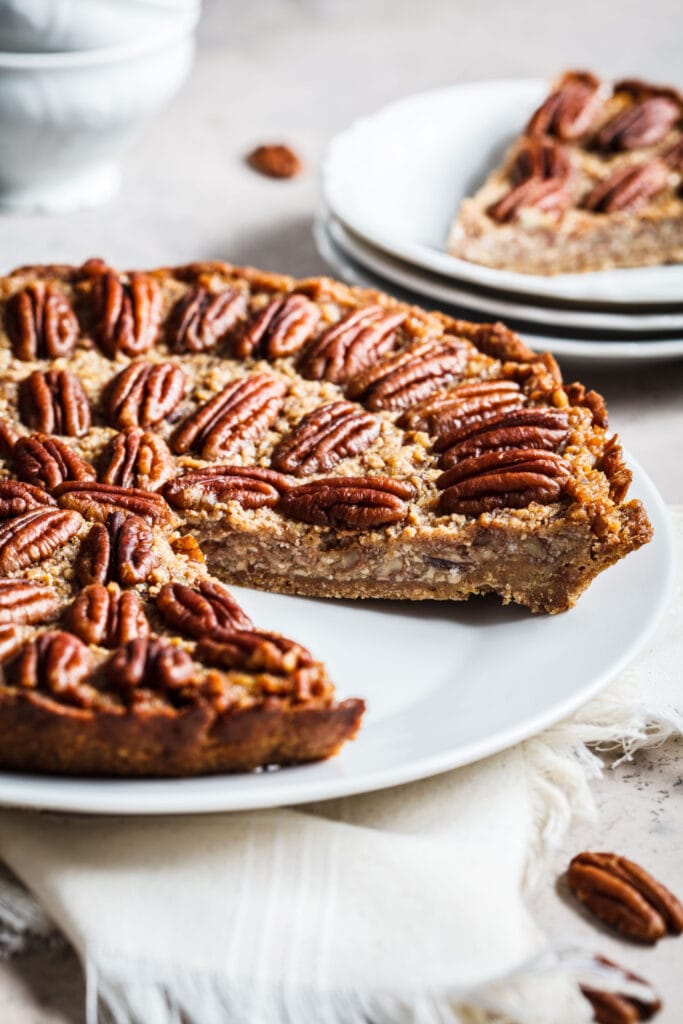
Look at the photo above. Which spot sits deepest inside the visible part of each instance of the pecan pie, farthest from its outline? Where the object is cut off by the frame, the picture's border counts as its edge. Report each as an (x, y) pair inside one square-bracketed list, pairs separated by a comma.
[(595, 181), (301, 436)]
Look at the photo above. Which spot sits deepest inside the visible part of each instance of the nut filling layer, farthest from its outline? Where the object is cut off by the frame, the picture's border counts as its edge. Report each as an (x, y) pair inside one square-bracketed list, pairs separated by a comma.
[(161, 429)]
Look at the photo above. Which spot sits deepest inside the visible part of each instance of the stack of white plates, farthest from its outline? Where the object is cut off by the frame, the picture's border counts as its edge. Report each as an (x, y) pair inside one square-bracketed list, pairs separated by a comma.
[(392, 183)]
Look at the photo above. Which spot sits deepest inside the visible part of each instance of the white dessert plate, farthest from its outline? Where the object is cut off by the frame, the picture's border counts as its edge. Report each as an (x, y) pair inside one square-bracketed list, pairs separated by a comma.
[(493, 304), (586, 349), (397, 178), (445, 684)]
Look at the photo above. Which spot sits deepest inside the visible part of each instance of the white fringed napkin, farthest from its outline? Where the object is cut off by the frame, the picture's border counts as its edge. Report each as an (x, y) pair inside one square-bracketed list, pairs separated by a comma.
[(400, 907)]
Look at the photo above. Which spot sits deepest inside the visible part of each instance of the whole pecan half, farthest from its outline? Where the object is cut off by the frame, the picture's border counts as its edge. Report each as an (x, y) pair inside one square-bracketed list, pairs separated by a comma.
[(539, 174), (518, 428), (357, 341), (625, 896), (285, 669), (628, 188), (280, 329), (436, 414), (121, 550), (54, 402), (351, 502), (150, 663), (408, 377), (127, 313), (40, 322), (23, 601), (107, 616), (45, 461), (139, 459), (201, 319), (611, 1007), (644, 123), (324, 437), (143, 394), (96, 501), (252, 487), (511, 478), (34, 536), (17, 497), (57, 662), (275, 161), (202, 611), (237, 416), (570, 110)]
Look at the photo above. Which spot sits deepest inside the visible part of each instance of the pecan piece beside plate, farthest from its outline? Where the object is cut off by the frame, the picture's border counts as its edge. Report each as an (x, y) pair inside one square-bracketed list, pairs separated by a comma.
[(625, 896)]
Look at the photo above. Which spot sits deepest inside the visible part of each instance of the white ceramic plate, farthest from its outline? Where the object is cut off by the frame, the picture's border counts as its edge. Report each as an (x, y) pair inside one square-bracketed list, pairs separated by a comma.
[(397, 178), (445, 684), (492, 304), (619, 351)]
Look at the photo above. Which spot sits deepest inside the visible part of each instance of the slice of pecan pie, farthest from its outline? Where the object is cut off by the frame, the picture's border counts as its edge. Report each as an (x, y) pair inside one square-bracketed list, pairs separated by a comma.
[(595, 181), (301, 436)]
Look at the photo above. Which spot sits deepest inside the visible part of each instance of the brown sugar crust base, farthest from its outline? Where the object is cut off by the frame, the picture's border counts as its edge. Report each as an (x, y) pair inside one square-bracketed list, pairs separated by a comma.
[(573, 237), (279, 434)]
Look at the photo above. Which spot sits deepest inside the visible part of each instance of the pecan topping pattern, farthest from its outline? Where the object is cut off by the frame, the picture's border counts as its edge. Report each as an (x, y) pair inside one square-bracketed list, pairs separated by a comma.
[(625, 896), (357, 341), (107, 616), (34, 536), (57, 662), (127, 314), (569, 112), (17, 497), (511, 478), (643, 124), (519, 428), (348, 502), (204, 611), (97, 501), (408, 377), (239, 415), (471, 400), (136, 458), (202, 319), (54, 403), (540, 174), (205, 488), (144, 394), (45, 461), (121, 550), (280, 329), (150, 663), (628, 188), (25, 601), (324, 437), (40, 323)]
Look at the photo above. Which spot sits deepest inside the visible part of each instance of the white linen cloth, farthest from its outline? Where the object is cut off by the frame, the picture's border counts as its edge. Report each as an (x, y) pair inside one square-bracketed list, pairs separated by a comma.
[(400, 907)]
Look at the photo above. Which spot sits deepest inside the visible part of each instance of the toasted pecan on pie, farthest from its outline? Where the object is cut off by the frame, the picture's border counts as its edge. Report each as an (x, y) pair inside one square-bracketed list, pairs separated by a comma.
[(594, 181), (163, 433)]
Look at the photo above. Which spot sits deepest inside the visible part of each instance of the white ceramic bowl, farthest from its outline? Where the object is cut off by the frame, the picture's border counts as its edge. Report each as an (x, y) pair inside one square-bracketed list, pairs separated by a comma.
[(52, 26), (65, 118)]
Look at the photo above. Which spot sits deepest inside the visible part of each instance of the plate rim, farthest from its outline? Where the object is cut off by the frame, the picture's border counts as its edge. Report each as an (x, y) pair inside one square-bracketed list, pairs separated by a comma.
[(626, 351), (157, 797), (436, 287), (432, 259)]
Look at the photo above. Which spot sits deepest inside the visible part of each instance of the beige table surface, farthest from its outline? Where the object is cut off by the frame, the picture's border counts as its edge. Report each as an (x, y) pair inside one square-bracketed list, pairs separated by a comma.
[(300, 71)]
